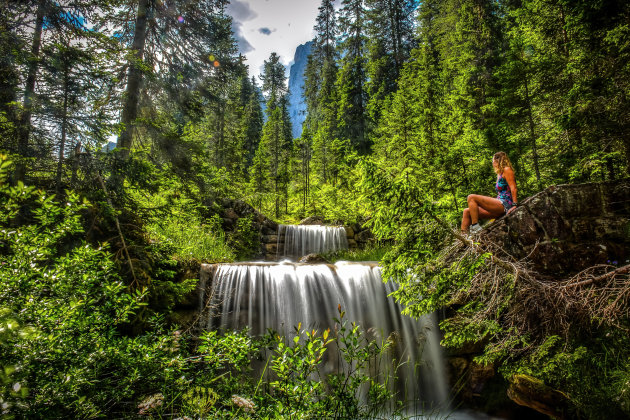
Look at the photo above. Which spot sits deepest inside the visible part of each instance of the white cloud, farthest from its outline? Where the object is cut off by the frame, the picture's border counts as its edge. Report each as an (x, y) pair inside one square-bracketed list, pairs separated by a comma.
[(273, 26)]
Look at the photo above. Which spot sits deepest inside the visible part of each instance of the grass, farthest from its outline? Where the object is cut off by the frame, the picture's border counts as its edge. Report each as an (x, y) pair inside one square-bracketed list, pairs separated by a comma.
[(193, 240), (370, 253)]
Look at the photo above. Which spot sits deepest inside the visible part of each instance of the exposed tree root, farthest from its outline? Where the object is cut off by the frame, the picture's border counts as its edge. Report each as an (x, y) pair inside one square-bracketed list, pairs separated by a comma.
[(527, 303)]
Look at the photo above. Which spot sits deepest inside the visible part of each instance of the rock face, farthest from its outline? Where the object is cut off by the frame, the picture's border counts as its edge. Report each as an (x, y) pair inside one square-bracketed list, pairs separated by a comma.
[(297, 105), (567, 228)]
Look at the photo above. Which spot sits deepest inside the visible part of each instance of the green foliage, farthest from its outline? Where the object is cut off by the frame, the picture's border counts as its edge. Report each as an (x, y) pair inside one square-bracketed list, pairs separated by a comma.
[(374, 252), (593, 373), (244, 240), (176, 220), (193, 239), (67, 302), (292, 383), (63, 306)]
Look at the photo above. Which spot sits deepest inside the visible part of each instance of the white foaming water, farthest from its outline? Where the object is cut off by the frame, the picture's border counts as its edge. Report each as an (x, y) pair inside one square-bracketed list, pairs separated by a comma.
[(300, 240), (281, 295)]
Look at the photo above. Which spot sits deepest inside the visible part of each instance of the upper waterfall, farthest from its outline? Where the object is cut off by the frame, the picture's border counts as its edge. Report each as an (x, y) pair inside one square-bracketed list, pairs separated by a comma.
[(299, 240)]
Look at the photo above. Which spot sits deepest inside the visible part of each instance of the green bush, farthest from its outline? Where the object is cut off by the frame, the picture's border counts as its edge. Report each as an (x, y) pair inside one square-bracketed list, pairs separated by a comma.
[(245, 239), (62, 305)]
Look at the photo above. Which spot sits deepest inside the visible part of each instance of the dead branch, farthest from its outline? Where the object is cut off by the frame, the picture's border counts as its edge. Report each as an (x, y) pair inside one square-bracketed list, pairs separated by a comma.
[(621, 270)]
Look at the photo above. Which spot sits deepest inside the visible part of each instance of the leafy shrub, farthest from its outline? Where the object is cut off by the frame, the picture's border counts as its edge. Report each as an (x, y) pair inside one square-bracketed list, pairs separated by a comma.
[(244, 239), (63, 303)]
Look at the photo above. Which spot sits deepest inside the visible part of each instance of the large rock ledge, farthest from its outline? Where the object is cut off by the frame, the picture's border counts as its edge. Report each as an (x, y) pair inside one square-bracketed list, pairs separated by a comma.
[(560, 231), (567, 228)]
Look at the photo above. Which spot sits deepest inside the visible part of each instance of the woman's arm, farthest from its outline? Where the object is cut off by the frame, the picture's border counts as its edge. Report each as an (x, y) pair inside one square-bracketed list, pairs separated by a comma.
[(508, 174)]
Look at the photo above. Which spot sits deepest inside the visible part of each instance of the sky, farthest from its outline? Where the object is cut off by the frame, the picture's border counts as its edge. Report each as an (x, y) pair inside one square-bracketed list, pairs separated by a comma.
[(264, 26)]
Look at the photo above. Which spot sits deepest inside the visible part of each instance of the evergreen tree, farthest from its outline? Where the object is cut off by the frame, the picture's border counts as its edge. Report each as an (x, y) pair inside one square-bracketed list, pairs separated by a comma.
[(390, 27), (72, 98), (189, 42), (31, 25), (274, 150), (351, 78), (321, 93), (253, 119)]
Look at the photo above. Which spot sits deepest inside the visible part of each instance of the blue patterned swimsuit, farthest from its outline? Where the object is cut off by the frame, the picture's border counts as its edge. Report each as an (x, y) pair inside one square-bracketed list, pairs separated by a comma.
[(504, 193)]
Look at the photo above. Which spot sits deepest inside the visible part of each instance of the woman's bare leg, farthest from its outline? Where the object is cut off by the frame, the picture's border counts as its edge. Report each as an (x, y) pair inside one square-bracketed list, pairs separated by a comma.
[(466, 220), (482, 214), (492, 206)]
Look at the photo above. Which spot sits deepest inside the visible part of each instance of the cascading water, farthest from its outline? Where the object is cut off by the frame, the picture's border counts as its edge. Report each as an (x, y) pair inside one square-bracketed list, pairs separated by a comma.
[(281, 295), (300, 240)]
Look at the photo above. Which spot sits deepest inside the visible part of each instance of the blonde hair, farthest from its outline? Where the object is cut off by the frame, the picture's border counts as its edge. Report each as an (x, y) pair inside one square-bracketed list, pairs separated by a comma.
[(503, 162)]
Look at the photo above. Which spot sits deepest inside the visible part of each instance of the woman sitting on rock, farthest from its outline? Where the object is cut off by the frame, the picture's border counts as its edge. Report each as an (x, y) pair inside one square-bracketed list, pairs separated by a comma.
[(482, 207)]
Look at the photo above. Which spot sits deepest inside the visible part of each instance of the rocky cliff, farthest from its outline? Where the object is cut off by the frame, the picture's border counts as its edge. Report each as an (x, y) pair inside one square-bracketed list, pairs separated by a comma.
[(567, 228), (297, 105)]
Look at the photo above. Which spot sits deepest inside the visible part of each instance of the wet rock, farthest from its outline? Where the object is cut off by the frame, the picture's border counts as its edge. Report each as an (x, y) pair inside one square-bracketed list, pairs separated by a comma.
[(363, 236), (230, 214), (352, 243), (314, 259), (270, 239), (313, 220), (349, 232), (479, 375), (531, 392), (457, 367)]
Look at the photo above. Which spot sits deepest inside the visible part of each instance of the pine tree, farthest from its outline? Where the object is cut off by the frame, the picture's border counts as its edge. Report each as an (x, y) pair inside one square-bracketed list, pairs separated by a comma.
[(253, 119), (274, 150), (71, 100), (390, 27), (351, 77), (321, 92), (189, 41)]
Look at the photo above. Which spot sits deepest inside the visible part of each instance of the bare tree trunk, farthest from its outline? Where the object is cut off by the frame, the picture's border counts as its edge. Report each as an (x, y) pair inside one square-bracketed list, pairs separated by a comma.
[(24, 129), (134, 80), (64, 124), (532, 132)]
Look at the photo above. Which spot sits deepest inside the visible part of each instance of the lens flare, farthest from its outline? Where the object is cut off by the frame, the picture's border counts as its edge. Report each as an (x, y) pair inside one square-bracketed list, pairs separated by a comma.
[(180, 19), (216, 63), (211, 57)]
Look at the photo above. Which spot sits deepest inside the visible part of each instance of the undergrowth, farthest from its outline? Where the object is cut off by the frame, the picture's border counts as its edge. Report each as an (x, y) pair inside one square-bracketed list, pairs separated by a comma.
[(369, 253)]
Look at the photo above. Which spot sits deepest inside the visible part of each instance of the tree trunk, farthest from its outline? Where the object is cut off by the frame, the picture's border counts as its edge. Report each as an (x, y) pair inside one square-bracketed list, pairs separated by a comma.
[(24, 126), (532, 132), (64, 124), (134, 80)]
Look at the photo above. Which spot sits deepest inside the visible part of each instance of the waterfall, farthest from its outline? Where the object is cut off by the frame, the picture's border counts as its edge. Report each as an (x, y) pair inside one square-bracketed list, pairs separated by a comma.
[(281, 295), (300, 240)]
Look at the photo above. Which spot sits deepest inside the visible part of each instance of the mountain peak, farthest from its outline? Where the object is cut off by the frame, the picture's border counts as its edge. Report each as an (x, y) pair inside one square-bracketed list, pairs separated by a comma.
[(297, 105)]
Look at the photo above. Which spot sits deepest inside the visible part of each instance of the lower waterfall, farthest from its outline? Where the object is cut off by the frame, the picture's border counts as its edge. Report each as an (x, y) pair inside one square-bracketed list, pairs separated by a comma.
[(281, 295)]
